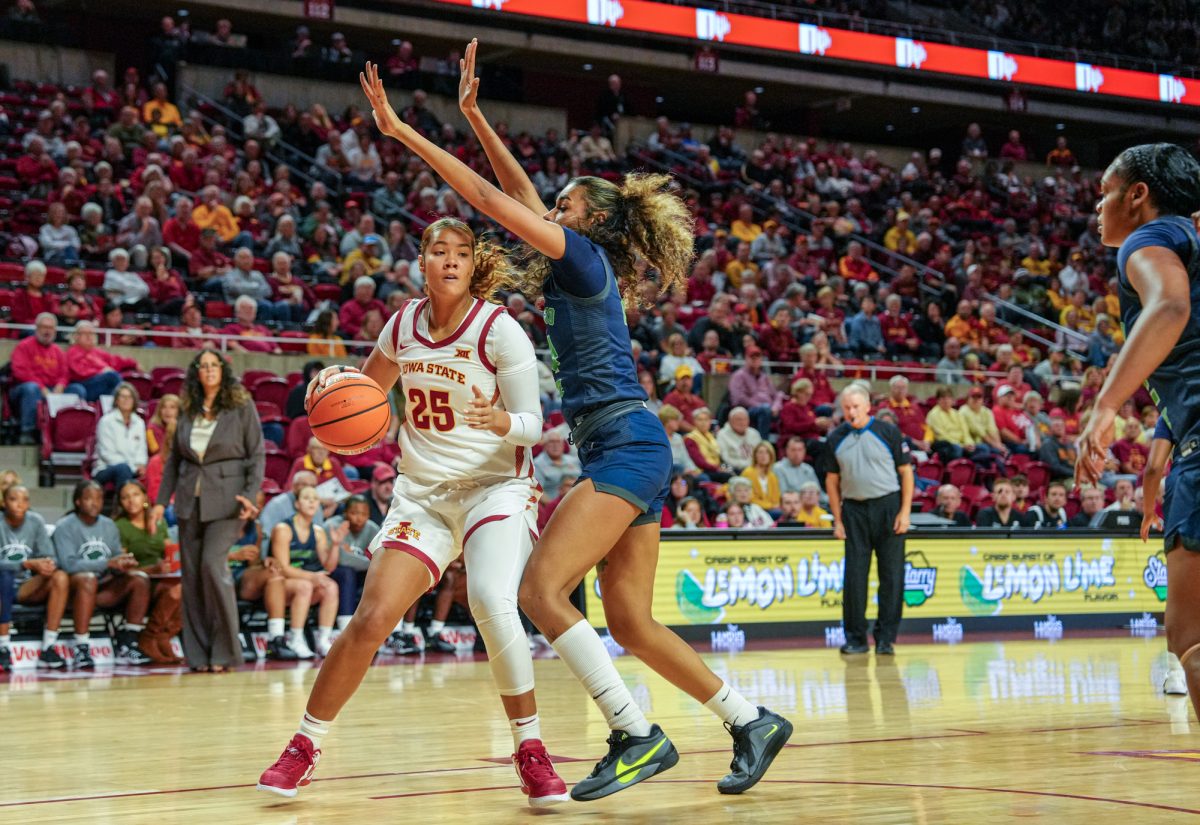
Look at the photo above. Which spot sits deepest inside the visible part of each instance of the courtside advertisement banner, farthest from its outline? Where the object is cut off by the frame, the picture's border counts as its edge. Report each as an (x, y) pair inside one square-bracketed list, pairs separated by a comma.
[(708, 582), (825, 42)]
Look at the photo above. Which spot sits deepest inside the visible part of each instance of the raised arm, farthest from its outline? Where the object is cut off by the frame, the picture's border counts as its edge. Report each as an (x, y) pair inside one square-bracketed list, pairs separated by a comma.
[(513, 179), (545, 236)]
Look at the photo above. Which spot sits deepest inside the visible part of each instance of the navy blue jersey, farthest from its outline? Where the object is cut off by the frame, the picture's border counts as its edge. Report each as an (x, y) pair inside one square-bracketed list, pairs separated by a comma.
[(590, 352), (1175, 385), (1162, 431)]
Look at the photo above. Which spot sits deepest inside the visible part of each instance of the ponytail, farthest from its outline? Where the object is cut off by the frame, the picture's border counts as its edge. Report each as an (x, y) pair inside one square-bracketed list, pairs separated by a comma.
[(639, 218), (1171, 175)]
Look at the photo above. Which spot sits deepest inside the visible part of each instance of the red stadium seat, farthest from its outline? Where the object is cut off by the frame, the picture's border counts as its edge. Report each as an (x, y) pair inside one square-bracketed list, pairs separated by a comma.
[(960, 472), (160, 374), (1038, 475), (143, 384), (252, 377), (931, 470), (172, 385), (273, 390), (269, 413), (65, 440), (298, 435), (277, 468)]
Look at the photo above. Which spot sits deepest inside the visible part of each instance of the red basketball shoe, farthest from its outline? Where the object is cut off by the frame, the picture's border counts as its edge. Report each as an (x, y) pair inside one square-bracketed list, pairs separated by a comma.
[(292, 769), (540, 783)]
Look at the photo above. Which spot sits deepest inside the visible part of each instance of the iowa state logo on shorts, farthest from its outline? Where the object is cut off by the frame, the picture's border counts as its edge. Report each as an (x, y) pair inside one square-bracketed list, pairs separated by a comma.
[(404, 531)]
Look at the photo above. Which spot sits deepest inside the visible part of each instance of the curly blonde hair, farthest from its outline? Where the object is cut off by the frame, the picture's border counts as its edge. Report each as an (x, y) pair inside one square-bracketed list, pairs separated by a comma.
[(492, 271), (643, 217)]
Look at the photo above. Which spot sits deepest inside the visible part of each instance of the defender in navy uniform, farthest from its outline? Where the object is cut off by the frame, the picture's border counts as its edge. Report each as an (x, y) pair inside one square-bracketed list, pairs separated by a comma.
[(1148, 195), (582, 260)]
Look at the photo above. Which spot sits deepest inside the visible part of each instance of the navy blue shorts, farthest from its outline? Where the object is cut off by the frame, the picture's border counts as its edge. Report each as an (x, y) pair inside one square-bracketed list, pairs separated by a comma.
[(1181, 507), (630, 457)]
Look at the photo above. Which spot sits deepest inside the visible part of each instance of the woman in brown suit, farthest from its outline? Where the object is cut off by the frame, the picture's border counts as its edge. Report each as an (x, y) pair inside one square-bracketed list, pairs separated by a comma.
[(214, 470)]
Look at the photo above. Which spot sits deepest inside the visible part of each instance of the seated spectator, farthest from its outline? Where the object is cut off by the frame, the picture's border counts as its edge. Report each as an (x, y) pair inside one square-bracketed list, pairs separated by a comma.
[(761, 472), (683, 398), (751, 388), (964, 326), (712, 357), (260, 126), (402, 61), (352, 313), (899, 238), (743, 227), (58, 240), (792, 470), (737, 440), (160, 432), (1017, 431), (123, 287), (295, 399), (146, 541), (951, 369), (910, 417), (39, 367), (671, 418), (741, 271), (32, 300), (769, 245), (288, 290), (981, 424), (324, 340), (191, 321), (242, 280), (1129, 450), (553, 462), (809, 513), (864, 332), (87, 546), (211, 213), (29, 575), (1051, 514), (1125, 498), (181, 233), (283, 506), (1002, 513), (853, 266), (676, 355), (93, 371), (777, 337), (121, 451), (301, 548), (167, 289), (139, 230), (351, 534), (1091, 508), (167, 112), (250, 334), (369, 332), (1101, 345), (1057, 451), (206, 264), (797, 416), (689, 515), (318, 461), (951, 438), (740, 491), (87, 305), (949, 499), (703, 447)]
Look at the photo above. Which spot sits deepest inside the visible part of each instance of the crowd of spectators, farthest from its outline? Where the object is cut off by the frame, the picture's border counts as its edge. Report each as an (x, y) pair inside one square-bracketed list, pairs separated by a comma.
[(815, 260)]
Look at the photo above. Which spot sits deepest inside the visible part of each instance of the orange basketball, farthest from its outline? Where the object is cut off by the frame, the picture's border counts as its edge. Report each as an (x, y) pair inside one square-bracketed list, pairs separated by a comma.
[(350, 416)]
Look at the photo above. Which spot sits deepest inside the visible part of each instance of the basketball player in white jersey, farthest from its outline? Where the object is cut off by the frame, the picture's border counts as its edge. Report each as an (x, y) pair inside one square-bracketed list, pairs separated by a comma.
[(472, 416)]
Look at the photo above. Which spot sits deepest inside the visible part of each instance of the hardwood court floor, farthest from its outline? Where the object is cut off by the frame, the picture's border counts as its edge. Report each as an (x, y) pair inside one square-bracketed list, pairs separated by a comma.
[(1069, 732)]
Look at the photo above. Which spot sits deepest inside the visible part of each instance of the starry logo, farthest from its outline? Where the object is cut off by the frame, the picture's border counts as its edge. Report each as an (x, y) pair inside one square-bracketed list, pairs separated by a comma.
[(462, 352), (93, 550), (405, 532), (15, 553)]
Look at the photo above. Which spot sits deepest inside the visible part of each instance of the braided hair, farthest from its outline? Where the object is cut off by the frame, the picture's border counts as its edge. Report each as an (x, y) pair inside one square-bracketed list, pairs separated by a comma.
[(1170, 172)]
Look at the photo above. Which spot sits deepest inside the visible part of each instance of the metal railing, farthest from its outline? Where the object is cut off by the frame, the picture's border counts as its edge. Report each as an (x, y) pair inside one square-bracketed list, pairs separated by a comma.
[(109, 337)]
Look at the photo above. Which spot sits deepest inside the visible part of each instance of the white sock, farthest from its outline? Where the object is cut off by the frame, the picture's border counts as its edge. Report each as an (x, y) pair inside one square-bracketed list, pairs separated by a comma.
[(274, 628), (5, 639), (83, 639), (49, 637), (527, 727), (435, 627), (587, 658), (315, 729), (134, 628), (296, 633), (323, 634), (408, 627), (731, 706), (342, 621)]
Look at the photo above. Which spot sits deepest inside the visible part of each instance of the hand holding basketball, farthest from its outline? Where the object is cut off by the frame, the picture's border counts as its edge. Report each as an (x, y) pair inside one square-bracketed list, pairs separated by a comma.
[(327, 376), (350, 414)]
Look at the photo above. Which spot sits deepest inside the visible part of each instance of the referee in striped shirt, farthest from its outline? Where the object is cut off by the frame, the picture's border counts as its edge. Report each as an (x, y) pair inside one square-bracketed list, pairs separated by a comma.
[(869, 479)]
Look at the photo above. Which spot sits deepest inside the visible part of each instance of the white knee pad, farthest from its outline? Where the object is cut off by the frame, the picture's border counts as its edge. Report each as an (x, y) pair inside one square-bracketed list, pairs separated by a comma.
[(495, 558)]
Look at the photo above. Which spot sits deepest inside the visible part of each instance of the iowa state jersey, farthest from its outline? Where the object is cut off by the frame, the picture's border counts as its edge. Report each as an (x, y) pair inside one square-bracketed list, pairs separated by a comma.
[(436, 378)]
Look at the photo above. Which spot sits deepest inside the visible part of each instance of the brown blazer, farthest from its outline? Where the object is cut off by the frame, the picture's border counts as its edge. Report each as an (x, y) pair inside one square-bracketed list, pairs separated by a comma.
[(233, 465)]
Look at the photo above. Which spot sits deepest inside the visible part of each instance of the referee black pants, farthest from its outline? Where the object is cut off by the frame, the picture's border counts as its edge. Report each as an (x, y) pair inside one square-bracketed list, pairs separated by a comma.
[(869, 528)]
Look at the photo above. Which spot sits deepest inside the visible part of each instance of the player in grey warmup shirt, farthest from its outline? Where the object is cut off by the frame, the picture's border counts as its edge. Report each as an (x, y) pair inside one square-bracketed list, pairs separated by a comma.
[(87, 545), (28, 575)]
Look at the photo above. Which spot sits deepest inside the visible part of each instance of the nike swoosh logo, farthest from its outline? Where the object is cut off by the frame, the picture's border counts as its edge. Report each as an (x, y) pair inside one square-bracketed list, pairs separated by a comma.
[(523, 724), (622, 768), (771, 732)]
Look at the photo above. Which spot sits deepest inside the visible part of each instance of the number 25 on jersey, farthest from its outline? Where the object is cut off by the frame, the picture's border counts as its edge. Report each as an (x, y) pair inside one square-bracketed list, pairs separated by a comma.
[(431, 410)]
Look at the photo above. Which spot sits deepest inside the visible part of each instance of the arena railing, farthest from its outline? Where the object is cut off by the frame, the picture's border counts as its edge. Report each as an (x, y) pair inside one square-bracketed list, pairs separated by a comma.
[(108, 337)]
